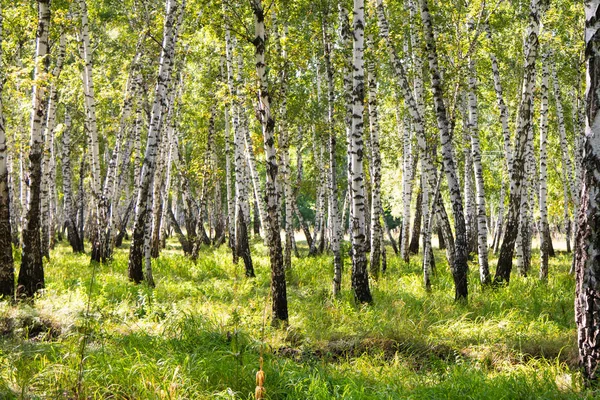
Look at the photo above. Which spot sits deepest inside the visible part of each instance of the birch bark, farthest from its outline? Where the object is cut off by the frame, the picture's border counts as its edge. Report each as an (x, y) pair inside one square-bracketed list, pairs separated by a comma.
[(31, 274), (171, 25), (587, 248)]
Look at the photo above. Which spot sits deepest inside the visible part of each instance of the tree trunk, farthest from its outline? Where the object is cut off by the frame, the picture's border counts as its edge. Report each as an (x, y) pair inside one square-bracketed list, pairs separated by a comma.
[(48, 158), (376, 228), (70, 213), (31, 274), (99, 205), (524, 121), (156, 118), (278, 284), (544, 228), (360, 277), (460, 267), (7, 270), (587, 248), (482, 231), (405, 249), (334, 217), (413, 248), (241, 214)]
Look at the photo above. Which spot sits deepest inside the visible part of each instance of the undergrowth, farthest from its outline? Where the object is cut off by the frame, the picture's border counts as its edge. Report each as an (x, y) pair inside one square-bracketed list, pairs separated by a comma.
[(200, 332)]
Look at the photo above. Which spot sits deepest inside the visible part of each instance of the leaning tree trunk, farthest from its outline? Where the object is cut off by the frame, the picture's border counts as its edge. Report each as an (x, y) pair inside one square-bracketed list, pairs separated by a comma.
[(544, 229), (31, 274), (360, 277), (7, 271), (278, 284), (136, 254), (504, 266), (587, 248), (460, 267)]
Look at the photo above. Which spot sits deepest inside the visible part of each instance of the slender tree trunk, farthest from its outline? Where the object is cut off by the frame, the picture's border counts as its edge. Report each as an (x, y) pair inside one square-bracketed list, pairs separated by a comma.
[(405, 251), (482, 231), (562, 131), (284, 146), (334, 217), (7, 270), (587, 248), (376, 228), (460, 267), (70, 213), (413, 248), (524, 121), (31, 274), (100, 204), (544, 229), (156, 118), (416, 110), (469, 188), (278, 284), (360, 277), (242, 246), (48, 159)]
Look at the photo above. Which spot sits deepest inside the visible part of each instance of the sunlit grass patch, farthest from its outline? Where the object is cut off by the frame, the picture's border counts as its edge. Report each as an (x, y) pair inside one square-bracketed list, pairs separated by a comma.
[(200, 332)]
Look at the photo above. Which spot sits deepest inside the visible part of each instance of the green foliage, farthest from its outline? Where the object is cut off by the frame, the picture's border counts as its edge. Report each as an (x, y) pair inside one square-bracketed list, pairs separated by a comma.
[(199, 334)]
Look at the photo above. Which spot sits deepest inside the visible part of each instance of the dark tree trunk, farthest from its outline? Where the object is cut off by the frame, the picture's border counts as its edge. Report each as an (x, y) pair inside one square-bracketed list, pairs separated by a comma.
[(551, 252), (185, 245), (255, 219), (123, 226), (413, 248), (440, 235), (390, 237)]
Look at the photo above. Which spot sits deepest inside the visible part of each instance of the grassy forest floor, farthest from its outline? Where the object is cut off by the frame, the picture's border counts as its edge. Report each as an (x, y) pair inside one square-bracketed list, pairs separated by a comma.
[(199, 333)]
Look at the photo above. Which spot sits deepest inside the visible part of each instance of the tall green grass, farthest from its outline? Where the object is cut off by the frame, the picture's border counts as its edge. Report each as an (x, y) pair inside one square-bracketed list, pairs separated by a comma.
[(200, 332)]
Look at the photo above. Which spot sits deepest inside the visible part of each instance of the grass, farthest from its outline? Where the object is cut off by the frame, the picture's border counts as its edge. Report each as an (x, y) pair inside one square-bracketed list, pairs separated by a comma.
[(200, 332)]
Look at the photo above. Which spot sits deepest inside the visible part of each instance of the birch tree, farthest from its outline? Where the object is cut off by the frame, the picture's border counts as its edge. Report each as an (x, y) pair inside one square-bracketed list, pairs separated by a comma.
[(278, 284), (544, 229), (524, 120), (7, 271), (460, 268), (334, 217), (48, 157), (482, 231), (31, 274), (376, 228), (360, 277), (587, 307), (167, 54)]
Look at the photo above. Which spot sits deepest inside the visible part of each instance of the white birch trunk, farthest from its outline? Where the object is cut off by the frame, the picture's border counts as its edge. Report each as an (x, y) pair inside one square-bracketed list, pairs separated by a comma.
[(171, 26), (482, 231), (544, 229), (360, 277), (278, 283), (48, 159), (31, 273)]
